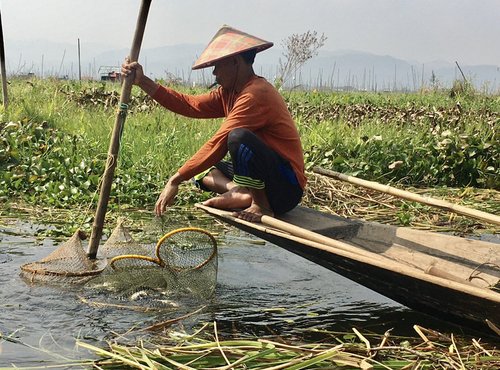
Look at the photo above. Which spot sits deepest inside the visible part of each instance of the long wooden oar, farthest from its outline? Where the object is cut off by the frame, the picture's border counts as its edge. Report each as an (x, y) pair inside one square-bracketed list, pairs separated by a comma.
[(484, 216), (114, 145)]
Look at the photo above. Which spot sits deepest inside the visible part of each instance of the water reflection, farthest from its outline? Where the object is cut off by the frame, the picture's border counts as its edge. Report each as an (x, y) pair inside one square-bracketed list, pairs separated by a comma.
[(264, 290)]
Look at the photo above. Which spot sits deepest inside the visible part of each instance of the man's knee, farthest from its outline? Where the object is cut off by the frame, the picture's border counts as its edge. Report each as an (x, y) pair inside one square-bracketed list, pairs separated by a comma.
[(238, 136)]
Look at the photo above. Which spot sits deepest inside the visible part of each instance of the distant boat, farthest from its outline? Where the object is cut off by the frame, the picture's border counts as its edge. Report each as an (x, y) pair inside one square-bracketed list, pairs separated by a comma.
[(452, 278)]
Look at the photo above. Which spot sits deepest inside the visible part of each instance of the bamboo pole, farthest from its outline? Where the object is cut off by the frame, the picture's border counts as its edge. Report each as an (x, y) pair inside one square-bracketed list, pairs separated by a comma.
[(455, 208), (114, 145), (306, 234), (2, 66)]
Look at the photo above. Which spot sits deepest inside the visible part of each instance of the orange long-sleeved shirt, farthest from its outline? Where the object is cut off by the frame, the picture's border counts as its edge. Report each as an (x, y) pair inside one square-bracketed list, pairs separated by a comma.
[(258, 107)]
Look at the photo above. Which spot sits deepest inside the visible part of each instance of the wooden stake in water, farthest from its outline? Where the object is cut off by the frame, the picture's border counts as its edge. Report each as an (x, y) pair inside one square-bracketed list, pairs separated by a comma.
[(114, 145), (2, 62)]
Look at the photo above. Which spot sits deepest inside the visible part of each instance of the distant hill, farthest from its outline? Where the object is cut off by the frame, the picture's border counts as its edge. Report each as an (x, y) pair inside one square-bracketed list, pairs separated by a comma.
[(341, 69)]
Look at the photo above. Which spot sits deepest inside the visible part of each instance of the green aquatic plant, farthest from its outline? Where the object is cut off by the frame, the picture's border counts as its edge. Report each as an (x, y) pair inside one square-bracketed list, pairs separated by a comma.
[(55, 135)]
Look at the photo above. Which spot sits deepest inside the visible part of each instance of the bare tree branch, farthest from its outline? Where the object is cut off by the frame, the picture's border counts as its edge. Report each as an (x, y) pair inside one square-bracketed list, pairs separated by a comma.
[(298, 49)]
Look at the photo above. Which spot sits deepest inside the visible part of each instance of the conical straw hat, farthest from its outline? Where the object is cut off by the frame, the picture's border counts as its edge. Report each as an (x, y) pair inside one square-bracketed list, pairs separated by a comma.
[(229, 41)]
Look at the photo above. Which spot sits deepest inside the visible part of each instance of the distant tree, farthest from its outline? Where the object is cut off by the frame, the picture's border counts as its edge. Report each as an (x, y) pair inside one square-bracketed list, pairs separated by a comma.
[(298, 49)]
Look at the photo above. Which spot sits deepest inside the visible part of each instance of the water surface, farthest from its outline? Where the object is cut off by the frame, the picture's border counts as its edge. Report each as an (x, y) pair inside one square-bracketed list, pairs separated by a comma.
[(262, 290)]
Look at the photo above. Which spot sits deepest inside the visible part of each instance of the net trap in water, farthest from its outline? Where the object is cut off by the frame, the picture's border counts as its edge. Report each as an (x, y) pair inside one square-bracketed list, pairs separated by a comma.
[(182, 262)]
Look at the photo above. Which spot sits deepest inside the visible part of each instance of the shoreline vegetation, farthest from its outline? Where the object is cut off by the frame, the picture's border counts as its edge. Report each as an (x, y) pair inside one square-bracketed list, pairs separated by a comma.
[(440, 143), (206, 348)]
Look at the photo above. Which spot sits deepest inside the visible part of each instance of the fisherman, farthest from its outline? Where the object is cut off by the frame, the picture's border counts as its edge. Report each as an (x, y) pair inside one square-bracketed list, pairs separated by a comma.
[(265, 174)]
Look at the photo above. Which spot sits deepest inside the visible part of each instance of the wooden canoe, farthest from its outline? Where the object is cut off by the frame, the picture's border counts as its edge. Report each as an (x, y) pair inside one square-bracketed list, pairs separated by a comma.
[(453, 278)]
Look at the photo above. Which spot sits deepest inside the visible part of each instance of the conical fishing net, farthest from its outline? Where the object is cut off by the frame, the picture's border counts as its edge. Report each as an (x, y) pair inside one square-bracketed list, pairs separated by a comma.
[(130, 278), (183, 262), (192, 258), (68, 263), (185, 249), (120, 242)]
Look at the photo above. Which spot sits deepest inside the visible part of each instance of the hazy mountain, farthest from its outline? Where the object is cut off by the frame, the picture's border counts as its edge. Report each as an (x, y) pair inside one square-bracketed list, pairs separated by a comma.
[(342, 69)]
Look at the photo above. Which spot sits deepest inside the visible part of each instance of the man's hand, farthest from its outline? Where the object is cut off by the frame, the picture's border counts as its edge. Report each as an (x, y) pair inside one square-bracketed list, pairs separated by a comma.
[(140, 79), (135, 68), (168, 194)]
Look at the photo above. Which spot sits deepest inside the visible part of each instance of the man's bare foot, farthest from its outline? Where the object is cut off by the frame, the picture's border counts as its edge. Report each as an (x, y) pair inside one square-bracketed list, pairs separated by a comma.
[(253, 213), (253, 202), (236, 198)]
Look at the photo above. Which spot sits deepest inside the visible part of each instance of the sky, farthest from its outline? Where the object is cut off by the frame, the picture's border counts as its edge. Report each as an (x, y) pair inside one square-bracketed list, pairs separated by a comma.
[(421, 30)]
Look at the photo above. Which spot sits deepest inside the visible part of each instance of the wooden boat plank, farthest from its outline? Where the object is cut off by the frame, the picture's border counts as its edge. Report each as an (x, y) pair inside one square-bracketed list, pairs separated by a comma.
[(325, 224), (426, 249), (462, 270), (386, 235), (430, 242)]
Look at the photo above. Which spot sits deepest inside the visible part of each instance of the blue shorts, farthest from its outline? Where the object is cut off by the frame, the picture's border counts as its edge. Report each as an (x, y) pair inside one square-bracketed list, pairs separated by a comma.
[(254, 165)]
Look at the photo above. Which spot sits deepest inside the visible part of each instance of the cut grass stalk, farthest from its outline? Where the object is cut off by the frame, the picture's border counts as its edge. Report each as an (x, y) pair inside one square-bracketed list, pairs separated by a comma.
[(435, 350)]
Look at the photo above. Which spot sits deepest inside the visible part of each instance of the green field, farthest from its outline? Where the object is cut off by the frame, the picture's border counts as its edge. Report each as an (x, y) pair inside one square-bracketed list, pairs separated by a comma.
[(55, 134)]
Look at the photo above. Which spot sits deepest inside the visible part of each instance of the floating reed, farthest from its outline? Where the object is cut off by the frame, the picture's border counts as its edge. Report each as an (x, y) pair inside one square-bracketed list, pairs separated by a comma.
[(430, 349)]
